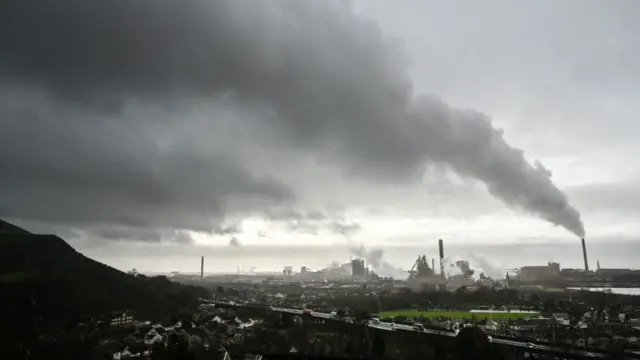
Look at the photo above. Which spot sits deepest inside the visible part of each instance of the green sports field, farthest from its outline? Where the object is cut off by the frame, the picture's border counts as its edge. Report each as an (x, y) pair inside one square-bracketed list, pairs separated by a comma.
[(456, 314)]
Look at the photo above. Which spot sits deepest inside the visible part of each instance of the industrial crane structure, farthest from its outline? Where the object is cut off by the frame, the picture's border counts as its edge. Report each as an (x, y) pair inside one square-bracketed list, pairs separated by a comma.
[(420, 269)]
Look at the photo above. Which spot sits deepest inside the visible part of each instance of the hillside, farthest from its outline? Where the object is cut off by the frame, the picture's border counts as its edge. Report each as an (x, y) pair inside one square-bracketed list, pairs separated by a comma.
[(8, 229), (45, 277)]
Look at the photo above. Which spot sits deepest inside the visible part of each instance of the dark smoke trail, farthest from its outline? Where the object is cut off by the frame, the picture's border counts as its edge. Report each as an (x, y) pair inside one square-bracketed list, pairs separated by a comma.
[(327, 77)]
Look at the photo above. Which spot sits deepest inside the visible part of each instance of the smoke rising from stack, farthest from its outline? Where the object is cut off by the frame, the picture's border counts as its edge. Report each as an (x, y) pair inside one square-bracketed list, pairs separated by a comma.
[(226, 229), (374, 258), (457, 265), (442, 259), (584, 255), (325, 79)]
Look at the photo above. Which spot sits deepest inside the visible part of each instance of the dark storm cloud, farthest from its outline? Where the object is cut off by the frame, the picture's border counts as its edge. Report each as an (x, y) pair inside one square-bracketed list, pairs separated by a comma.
[(101, 233), (338, 226), (315, 222), (317, 75), (226, 229), (35, 227), (65, 166), (119, 233), (288, 213), (345, 228), (306, 222)]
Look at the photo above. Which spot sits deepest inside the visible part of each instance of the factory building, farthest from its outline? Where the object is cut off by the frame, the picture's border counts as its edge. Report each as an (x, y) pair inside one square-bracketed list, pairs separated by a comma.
[(357, 268), (287, 271), (613, 273), (539, 273), (422, 277)]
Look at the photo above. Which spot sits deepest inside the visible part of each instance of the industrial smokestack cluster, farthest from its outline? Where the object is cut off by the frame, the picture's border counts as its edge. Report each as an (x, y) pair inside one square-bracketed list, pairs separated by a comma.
[(441, 249), (584, 254), (202, 267)]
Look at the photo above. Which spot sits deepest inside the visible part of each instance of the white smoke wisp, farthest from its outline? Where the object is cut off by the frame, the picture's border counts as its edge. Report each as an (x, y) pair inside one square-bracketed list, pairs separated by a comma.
[(479, 264), (488, 267), (450, 267)]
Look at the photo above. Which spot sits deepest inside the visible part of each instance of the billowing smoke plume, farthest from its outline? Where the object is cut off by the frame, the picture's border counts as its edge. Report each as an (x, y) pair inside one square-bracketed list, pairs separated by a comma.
[(328, 80), (374, 258), (487, 266), (472, 266), (313, 222)]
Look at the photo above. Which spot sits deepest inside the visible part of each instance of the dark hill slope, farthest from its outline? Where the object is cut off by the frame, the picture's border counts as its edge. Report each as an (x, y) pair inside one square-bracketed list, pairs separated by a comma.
[(7, 228), (43, 276)]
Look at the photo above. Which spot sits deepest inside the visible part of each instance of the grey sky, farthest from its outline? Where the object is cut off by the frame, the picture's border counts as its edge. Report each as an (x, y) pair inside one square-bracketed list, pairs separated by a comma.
[(190, 116), (571, 66)]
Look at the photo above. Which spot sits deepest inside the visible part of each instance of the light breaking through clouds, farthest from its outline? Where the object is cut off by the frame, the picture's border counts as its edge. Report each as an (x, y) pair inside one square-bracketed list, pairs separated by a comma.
[(171, 113)]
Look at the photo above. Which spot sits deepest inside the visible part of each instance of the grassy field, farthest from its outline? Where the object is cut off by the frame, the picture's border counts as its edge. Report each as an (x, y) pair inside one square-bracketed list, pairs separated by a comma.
[(455, 314)]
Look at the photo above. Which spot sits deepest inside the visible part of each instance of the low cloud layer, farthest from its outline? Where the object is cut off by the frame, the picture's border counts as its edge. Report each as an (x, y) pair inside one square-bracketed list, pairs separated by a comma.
[(190, 111), (221, 228)]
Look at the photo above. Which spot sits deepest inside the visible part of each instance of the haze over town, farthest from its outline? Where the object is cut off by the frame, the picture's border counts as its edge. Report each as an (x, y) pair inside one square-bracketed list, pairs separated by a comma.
[(327, 126)]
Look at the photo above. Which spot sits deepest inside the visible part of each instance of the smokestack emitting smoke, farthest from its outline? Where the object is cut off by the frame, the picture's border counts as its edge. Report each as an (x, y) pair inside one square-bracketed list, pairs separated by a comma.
[(325, 75), (201, 267), (441, 252), (584, 254)]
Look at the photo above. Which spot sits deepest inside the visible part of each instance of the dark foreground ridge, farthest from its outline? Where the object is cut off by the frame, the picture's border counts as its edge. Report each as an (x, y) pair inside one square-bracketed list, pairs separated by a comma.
[(45, 284), (10, 229)]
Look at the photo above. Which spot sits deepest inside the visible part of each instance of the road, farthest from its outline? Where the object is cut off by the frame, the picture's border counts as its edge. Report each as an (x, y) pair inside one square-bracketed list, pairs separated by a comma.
[(389, 326)]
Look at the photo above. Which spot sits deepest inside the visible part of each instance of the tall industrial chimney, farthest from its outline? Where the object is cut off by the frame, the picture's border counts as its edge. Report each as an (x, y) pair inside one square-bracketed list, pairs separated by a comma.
[(584, 254), (442, 275), (433, 265), (201, 267)]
